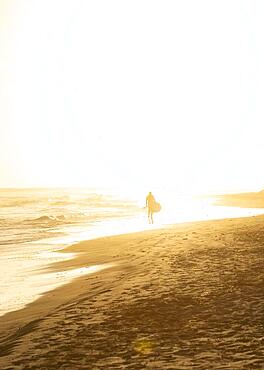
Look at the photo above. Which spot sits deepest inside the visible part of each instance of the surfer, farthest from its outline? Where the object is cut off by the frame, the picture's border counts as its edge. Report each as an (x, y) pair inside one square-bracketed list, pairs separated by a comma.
[(150, 203)]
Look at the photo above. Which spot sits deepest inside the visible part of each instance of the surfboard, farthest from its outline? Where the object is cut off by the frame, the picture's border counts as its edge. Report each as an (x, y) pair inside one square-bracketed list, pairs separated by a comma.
[(156, 207)]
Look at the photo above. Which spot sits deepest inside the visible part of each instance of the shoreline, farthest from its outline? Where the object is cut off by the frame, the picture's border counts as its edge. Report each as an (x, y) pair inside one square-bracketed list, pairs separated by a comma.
[(148, 265), (23, 269)]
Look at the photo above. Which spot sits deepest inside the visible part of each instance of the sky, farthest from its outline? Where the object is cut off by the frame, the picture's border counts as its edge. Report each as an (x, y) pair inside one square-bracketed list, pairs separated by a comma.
[(132, 94)]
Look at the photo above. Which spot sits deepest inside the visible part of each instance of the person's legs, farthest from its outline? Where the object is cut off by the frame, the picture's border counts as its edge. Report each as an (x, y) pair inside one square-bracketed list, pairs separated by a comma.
[(151, 216)]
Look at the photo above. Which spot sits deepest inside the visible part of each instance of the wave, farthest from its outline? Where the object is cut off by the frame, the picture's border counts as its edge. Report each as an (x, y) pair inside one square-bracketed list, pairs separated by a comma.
[(10, 203), (27, 224), (58, 219), (48, 219)]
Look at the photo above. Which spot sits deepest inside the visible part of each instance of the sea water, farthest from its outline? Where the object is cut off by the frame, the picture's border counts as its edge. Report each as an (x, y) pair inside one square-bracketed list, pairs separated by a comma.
[(35, 224)]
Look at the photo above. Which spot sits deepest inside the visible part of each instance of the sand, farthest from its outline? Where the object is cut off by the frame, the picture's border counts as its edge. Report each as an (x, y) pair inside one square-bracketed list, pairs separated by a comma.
[(242, 200), (184, 297)]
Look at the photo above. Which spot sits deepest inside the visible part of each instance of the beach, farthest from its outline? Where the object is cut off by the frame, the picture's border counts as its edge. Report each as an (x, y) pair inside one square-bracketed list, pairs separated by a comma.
[(37, 224), (188, 296), (131, 196)]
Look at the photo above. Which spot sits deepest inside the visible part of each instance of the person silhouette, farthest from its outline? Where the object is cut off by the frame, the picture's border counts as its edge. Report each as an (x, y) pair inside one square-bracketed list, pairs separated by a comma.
[(150, 202)]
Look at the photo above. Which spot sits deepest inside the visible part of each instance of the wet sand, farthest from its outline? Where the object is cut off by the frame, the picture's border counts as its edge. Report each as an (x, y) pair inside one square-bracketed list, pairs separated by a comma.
[(189, 296), (242, 200)]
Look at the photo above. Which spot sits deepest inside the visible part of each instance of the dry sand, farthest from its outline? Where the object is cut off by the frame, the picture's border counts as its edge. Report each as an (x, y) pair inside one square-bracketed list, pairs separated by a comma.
[(184, 297)]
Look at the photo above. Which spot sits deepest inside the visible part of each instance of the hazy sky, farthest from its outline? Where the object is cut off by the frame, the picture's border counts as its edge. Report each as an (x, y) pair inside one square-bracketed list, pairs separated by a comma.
[(136, 93)]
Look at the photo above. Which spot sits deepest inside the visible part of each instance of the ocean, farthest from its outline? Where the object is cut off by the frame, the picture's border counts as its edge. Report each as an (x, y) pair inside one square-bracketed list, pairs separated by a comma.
[(35, 224)]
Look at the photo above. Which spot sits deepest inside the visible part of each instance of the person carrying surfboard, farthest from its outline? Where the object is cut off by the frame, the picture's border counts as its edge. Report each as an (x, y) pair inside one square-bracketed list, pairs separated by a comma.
[(150, 204)]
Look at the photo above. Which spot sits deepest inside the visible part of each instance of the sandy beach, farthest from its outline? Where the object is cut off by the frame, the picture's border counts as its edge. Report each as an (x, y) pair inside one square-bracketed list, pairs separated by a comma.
[(183, 297)]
